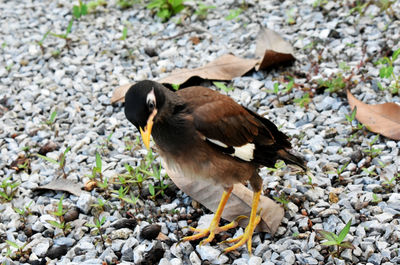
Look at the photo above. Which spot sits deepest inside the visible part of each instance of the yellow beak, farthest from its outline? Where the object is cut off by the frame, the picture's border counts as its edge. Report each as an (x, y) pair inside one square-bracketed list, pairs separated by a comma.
[(146, 133)]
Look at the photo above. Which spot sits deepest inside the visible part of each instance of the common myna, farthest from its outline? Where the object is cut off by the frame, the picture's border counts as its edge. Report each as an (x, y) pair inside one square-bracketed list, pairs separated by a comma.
[(205, 134)]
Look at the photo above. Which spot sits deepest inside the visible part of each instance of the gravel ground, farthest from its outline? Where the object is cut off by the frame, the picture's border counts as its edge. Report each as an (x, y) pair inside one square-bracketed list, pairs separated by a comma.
[(76, 77)]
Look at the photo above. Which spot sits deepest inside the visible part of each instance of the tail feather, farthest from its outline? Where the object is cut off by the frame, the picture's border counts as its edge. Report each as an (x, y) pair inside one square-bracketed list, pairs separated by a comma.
[(290, 158)]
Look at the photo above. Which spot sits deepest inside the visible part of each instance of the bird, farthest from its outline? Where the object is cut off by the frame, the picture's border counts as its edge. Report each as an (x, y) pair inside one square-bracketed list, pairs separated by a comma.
[(207, 135)]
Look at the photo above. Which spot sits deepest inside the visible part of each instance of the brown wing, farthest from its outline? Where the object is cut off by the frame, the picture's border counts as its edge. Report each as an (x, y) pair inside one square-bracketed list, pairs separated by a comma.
[(218, 117)]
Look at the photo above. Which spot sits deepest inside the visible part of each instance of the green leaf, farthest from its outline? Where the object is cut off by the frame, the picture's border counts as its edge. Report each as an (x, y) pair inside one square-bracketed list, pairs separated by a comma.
[(329, 243), (13, 244), (98, 161), (56, 224), (328, 235), (344, 232), (124, 33), (347, 244), (84, 9), (175, 86), (76, 11), (69, 27), (51, 160), (233, 14), (151, 189), (395, 55), (52, 115)]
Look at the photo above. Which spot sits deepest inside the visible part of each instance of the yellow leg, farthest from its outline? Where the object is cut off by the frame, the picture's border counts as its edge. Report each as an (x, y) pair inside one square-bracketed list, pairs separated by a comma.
[(248, 233), (214, 229)]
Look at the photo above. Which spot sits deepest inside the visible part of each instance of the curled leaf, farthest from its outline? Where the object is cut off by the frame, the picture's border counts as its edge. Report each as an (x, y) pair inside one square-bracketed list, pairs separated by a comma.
[(225, 68), (119, 93), (379, 118), (239, 202), (272, 49)]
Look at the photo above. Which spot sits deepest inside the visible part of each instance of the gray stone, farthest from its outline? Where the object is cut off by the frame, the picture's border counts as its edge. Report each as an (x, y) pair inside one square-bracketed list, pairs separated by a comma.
[(375, 259), (40, 249), (211, 254), (194, 259), (85, 202), (288, 257)]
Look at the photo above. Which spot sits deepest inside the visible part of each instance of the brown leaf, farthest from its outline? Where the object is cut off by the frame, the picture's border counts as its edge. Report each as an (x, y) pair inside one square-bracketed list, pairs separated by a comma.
[(379, 118), (272, 49), (333, 198), (195, 40), (119, 93), (223, 68), (50, 146), (63, 185), (239, 202)]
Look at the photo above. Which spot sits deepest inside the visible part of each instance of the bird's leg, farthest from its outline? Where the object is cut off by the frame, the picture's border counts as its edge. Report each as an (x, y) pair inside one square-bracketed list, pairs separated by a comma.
[(248, 233), (214, 229)]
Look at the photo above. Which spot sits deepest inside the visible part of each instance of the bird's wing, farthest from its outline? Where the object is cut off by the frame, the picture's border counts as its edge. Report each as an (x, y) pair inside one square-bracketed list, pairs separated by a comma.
[(232, 128)]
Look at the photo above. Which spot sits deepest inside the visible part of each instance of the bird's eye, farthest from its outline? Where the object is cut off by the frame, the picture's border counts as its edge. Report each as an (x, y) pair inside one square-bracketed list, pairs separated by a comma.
[(151, 105)]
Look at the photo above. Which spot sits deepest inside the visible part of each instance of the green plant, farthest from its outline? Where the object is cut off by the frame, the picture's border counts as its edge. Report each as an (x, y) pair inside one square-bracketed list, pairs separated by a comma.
[(124, 33), (303, 101), (282, 199), (175, 86), (337, 240), (126, 3), (375, 198), (67, 31), (9, 67), (60, 162), (278, 166), (371, 151), (51, 119), (319, 3), (97, 223), (79, 10), (387, 71), (223, 87), (92, 5), (105, 143), (289, 16), (40, 42), (333, 84), (9, 189), (350, 118), (20, 249), (59, 213), (389, 183), (24, 211), (166, 8), (369, 171), (234, 13), (202, 10)]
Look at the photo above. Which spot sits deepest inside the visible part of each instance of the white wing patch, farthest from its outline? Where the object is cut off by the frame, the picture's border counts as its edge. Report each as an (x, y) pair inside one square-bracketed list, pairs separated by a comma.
[(216, 142), (244, 152)]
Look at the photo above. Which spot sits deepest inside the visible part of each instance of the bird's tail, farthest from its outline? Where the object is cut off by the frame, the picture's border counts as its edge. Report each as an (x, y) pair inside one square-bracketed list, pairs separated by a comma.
[(290, 158)]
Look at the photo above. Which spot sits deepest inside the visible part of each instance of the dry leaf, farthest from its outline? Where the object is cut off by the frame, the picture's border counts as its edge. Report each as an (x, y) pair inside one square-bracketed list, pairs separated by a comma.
[(63, 185), (379, 118), (119, 93), (239, 202), (272, 49), (333, 198), (223, 68)]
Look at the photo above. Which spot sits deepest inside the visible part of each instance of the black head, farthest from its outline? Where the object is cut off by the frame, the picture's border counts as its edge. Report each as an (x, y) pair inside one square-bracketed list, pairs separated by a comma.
[(140, 101)]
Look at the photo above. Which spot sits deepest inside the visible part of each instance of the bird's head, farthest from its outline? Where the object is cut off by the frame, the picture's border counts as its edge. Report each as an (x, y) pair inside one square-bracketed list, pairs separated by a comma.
[(142, 103)]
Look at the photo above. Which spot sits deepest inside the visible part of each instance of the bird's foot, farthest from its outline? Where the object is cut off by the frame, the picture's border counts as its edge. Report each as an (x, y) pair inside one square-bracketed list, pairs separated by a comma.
[(212, 230), (246, 237)]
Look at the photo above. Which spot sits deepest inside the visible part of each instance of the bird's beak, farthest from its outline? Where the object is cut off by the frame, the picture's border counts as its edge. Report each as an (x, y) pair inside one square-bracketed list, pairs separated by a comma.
[(146, 133)]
